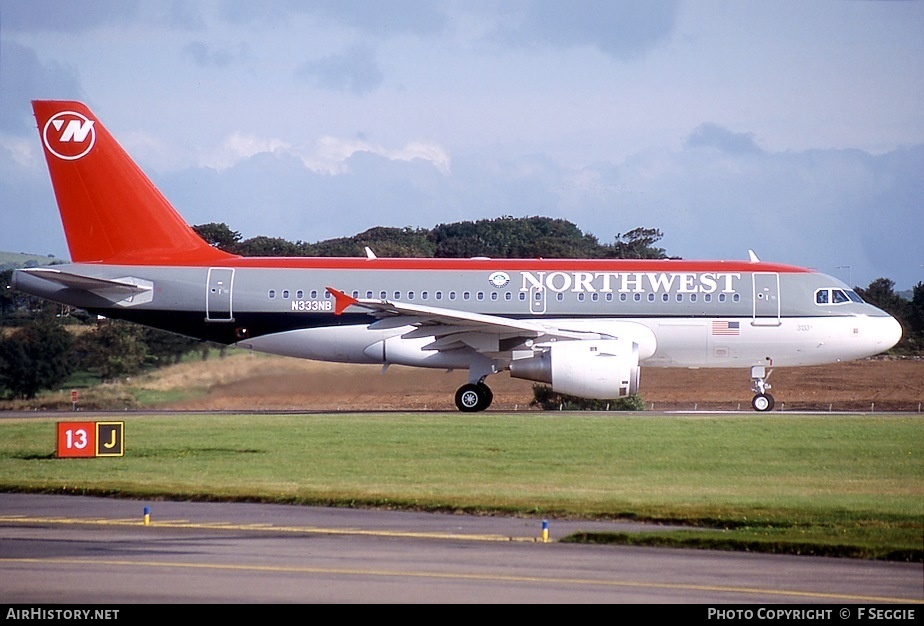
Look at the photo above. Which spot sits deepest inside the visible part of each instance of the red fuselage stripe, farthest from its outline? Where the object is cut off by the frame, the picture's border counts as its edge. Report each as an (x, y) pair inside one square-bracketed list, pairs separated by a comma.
[(595, 265)]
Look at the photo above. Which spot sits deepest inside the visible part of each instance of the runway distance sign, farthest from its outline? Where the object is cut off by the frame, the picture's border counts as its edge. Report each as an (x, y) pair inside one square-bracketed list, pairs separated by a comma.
[(90, 439)]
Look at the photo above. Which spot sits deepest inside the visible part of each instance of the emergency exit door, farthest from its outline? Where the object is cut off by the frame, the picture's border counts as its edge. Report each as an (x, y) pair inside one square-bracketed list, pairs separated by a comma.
[(218, 295), (766, 299)]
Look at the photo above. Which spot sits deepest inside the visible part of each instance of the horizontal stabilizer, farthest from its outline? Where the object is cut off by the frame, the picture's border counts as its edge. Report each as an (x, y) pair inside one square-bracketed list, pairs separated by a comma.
[(88, 283)]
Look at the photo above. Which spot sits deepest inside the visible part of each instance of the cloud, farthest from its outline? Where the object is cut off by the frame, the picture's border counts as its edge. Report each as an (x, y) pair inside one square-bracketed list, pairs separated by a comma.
[(371, 17), (714, 136), (329, 155), (383, 19), (68, 16), (65, 15), (620, 29), (333, 154), (355, 71), (239, 147), (23, 78), (206, 55)]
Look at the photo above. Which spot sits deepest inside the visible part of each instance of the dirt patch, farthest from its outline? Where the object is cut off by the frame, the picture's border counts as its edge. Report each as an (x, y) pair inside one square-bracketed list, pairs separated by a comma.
[(250, 381)]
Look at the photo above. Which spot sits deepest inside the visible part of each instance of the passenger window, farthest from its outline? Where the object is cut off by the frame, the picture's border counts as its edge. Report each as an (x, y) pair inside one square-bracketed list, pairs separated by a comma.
[(272, 293)]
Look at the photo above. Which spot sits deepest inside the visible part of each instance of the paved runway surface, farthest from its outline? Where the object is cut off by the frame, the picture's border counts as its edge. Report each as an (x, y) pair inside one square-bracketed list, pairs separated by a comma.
[(61, 549)]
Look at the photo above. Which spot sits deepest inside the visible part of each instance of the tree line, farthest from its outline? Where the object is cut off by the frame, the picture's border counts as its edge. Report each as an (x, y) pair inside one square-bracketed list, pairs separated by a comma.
[(43, 344), (502, 238)]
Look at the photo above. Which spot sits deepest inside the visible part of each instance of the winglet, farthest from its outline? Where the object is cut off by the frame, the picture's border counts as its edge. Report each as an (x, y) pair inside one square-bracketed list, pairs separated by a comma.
[(341, 300), (370, 254), (753, 256)]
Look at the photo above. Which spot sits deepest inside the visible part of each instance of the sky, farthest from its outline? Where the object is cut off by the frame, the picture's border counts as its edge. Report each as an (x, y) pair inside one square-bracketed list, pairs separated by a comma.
[(792, 128)]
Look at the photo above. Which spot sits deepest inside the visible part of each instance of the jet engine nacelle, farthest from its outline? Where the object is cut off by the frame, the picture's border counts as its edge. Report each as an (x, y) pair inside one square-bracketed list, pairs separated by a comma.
[(600, 369)]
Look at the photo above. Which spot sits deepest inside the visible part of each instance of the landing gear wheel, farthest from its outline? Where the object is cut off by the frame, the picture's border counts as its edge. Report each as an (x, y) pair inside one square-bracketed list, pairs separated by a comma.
[(487, 394), (472, 398), (762, 402)]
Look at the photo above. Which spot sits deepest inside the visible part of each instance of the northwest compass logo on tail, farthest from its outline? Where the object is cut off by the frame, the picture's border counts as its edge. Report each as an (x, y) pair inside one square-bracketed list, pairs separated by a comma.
[(69, 135)]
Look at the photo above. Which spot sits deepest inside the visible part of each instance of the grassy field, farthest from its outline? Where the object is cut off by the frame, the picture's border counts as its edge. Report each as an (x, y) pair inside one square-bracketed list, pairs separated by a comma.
[(810, 484)]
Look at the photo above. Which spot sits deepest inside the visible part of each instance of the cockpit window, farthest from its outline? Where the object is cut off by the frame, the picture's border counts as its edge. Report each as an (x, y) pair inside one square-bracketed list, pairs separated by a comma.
[(836, 296)]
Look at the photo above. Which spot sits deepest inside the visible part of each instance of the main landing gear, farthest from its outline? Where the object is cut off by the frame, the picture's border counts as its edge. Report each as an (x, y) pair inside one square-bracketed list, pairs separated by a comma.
[(762, 401), (473, 397)]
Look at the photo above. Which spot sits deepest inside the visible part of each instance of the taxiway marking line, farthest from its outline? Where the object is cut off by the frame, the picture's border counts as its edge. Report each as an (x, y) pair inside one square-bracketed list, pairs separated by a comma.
[(552, 580), (316, 530)]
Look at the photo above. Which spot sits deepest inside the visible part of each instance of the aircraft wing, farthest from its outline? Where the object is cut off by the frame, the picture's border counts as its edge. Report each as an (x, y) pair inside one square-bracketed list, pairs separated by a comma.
[(451, 326)]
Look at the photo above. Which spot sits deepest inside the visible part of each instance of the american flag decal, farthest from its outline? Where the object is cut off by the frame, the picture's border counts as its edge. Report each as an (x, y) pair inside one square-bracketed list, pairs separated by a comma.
[(725, 328)]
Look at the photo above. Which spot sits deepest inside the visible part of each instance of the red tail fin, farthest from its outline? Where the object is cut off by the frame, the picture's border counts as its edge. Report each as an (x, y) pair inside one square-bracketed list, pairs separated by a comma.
[(111, 211)]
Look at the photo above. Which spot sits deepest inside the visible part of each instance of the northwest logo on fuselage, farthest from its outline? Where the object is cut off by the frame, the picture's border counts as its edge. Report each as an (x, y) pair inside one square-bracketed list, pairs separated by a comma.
[(69, 135), (631, 282)]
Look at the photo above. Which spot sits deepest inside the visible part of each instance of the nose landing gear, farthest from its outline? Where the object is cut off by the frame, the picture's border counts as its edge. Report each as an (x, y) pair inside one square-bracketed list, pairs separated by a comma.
[(762, 401)]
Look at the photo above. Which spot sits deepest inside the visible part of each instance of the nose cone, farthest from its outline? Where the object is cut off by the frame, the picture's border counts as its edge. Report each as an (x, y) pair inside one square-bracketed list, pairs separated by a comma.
[(886, 332)]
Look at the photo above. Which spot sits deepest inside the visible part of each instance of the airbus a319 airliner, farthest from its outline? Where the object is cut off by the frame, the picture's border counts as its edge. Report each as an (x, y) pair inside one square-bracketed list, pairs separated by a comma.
[(585, 327)]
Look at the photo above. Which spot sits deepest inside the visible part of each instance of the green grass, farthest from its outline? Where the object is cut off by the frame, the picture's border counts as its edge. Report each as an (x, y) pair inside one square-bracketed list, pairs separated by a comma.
[(838, 485)]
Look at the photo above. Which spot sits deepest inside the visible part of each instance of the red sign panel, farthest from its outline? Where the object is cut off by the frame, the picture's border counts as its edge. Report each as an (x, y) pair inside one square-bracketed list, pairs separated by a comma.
[(76, 439)]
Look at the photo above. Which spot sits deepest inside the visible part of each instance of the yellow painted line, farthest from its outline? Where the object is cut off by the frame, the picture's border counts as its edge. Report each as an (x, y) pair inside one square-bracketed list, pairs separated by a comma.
[(265, 527), (550, 580)]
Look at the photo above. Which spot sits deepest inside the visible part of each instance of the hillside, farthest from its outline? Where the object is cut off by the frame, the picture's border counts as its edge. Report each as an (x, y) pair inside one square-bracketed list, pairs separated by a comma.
[(15, 260)]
